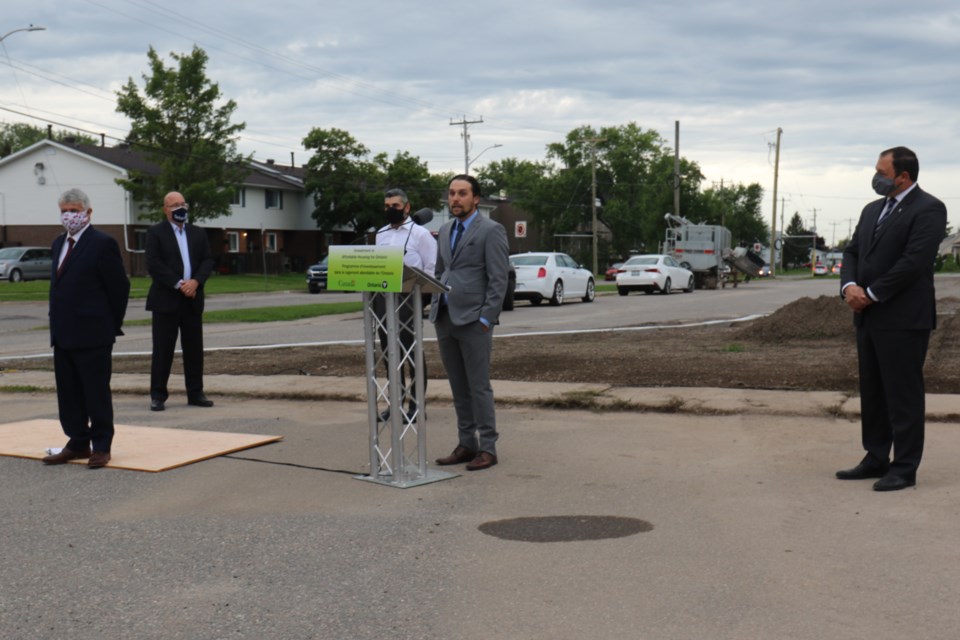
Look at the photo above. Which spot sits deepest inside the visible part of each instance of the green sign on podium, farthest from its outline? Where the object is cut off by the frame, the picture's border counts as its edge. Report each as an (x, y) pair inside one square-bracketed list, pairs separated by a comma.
[(365, 268)]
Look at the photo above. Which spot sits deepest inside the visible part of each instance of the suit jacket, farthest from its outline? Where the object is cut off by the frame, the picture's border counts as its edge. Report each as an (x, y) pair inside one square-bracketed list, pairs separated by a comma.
[(896, 262), (165, 266), (476, 273), (89, 299)]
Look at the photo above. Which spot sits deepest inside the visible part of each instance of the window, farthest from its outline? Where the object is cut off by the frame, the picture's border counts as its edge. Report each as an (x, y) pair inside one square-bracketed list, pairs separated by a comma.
[(140, 239), (233, 241), (270, 241), (239, 198), (273, 198)]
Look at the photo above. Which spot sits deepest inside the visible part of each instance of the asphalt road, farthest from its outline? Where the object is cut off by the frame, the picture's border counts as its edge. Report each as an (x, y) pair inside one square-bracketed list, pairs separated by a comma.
[(21, 336)]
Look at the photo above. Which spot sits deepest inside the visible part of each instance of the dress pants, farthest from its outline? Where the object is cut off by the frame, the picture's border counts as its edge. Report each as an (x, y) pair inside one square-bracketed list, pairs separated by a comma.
[(466, 351), (892, 403), (83, 396), (189, 324)]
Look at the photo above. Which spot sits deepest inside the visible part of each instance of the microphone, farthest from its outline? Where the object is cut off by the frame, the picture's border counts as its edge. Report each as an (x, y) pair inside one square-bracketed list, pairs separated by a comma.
[(423, 216)]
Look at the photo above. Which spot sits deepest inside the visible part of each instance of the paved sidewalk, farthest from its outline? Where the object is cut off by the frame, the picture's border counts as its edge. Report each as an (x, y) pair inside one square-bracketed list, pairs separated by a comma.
[(704, 401)]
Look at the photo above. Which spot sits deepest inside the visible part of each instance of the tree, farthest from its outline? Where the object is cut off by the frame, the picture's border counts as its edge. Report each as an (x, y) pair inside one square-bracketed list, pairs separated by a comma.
[(347, 185), (15, 136), (182, 124), (738, 208), (635, 174), (796, 248)]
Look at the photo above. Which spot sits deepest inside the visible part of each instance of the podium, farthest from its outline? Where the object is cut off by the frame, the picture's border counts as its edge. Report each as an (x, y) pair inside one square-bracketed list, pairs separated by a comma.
[(398, 445)]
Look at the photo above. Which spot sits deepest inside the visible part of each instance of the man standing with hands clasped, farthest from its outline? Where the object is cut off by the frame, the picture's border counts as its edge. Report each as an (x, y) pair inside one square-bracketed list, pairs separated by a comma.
[(887, 279), (473, 260), (88, 300), (179, 262)]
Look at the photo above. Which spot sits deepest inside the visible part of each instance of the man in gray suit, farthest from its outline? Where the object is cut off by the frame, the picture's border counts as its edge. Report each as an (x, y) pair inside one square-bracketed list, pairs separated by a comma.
[(473, 260)]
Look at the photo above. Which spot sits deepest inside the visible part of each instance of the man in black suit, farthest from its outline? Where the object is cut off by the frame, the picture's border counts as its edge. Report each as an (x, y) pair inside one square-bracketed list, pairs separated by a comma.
[(179, 262), (887, 279), (89, 289)]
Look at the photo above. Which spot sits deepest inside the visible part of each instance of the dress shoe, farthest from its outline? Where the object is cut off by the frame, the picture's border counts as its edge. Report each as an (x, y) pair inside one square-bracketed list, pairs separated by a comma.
[(459, 456), (861, 472), (200, 400), (65, 456), (98, 459), (893, 482), (483, 460), (156, 405)]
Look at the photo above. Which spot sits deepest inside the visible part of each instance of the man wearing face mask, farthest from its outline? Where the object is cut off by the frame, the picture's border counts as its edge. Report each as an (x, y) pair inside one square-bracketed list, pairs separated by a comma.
[(179, 262), (89, 289), (887, 280), (420, 251)]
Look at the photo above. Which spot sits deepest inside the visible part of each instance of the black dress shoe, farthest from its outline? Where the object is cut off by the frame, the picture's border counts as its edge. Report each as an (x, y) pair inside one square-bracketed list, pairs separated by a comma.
[(156, 405), (861, 472), (893, 482), (200, 400)]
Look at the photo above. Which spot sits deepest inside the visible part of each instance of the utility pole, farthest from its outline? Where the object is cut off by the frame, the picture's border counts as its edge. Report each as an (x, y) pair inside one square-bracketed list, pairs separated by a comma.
[(466, 140), (593, 200), (813, 230), (776, 177), (833, 238), (676, 169)]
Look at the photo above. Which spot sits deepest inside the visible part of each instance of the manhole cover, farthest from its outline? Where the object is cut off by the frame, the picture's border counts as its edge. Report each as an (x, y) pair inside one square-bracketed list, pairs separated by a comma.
[(565, 528)]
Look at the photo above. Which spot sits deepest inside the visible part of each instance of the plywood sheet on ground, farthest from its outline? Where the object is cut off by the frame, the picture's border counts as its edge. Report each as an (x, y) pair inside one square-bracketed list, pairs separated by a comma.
[(134, 448)]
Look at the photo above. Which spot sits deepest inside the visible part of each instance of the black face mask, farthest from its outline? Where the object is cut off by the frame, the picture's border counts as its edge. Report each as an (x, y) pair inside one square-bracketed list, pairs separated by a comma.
[(394, 216), (179, 215)]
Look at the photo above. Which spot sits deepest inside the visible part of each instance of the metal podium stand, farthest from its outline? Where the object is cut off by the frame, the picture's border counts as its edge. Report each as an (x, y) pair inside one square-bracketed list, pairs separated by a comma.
[(398, 446)]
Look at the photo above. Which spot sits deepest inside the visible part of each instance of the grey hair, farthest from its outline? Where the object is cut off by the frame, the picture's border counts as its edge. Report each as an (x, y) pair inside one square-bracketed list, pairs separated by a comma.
[(397, 193), (75, 196)]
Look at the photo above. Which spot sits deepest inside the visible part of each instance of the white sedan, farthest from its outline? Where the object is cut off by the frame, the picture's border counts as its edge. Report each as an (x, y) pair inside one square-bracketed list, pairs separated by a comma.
[(551, 276), (651, 273)]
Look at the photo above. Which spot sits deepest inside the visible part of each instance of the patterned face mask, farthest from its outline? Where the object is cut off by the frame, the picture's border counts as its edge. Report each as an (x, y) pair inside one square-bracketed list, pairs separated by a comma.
[(74, 221)]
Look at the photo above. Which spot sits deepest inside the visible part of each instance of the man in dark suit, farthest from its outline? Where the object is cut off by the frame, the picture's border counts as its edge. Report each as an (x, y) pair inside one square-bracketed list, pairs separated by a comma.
[(887, 279), (89, 289), (179, 262), (473, 260)]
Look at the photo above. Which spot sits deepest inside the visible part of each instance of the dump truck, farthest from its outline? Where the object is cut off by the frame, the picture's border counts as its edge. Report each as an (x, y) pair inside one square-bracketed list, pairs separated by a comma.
[(705, 249), (697, 247)]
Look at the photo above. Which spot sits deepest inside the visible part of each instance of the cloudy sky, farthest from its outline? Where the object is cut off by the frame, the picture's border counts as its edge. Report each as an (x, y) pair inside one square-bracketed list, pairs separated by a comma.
[(843, 80)]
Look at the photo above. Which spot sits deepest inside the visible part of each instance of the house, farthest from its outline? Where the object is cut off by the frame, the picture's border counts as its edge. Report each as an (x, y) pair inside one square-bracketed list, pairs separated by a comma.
[(270, 224)]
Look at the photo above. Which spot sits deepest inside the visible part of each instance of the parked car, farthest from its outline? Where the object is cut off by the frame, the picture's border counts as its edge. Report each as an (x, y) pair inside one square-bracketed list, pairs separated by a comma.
[(551, 276), (25, 263), (819, 269), (612, 272), (317, 276), (653, 272), (836, 268)]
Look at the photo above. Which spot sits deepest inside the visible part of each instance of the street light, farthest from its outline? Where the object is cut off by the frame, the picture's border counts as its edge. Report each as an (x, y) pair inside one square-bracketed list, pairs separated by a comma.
[(471, 161), (30, 28)]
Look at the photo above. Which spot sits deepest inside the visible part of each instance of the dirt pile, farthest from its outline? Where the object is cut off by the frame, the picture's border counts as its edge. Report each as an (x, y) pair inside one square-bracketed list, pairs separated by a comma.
[(803, 319)]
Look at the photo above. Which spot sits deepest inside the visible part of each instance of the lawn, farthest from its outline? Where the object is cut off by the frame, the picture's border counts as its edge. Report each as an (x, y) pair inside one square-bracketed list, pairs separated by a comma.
[(40, 289)]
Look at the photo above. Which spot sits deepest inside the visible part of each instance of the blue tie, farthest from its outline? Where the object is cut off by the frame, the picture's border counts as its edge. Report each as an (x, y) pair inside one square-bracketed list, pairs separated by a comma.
[(456, 238)]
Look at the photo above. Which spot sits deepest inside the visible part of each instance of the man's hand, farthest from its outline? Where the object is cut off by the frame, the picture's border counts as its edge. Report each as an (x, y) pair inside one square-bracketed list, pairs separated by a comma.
[(189, 288), (856, 298)]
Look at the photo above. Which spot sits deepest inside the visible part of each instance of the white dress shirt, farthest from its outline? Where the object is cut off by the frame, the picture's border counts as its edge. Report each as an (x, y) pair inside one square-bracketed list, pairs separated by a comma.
[(420, 247)]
